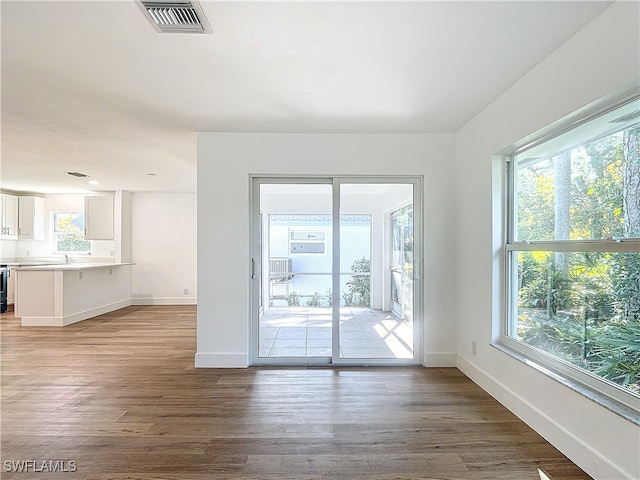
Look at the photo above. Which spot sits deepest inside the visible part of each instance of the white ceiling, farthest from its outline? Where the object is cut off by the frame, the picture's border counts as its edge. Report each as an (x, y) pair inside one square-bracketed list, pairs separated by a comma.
[(91, 87)]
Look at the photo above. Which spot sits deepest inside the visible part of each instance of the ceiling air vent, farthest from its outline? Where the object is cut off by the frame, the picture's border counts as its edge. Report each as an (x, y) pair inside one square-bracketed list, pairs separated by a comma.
[(77, 174), (176, 16)]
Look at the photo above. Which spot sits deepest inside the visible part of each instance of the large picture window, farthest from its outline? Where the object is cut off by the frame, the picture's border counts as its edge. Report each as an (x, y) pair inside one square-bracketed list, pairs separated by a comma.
[(573, 253)]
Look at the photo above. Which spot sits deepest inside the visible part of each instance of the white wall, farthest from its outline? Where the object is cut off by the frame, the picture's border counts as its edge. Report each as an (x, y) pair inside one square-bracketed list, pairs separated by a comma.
[(122, 226), (163, 247), (225, 162), (7, 250), (600, 60)]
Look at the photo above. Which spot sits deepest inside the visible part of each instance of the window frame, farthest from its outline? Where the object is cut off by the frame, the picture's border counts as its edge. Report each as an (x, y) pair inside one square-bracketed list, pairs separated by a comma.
[(307, 241), (55, 232), (604, 391)]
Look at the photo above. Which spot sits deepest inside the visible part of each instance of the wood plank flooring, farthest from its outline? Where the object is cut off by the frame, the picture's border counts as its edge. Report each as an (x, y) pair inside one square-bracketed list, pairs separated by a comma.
[(117, 397)]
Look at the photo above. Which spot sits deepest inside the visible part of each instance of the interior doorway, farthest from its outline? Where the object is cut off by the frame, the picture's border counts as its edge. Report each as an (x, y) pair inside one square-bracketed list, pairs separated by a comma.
[(324, 255)]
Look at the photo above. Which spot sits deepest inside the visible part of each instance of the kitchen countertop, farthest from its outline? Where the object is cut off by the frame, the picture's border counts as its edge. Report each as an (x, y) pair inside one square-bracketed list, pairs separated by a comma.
[(28, 264), (71, 266)]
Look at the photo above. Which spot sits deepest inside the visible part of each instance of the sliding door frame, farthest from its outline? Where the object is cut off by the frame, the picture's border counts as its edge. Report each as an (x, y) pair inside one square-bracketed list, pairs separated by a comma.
[(416, 181), (255, 273)]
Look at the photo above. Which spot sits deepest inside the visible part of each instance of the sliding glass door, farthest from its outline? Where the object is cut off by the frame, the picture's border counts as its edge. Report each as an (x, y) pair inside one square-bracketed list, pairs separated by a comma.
[(369, 328), (324, 256), (296, 246)]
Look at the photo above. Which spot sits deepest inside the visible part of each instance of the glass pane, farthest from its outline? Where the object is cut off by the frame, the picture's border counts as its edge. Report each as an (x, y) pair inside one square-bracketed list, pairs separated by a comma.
[(296, 319), (69, 232), (68, 222), (583, 307), (402, 262), (317, 235), (374, 253), (589, 191)]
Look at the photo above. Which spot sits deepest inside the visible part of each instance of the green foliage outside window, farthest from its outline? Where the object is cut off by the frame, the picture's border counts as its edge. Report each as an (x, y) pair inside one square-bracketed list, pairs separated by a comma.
[(359, 287), (583, 306), (69, 233), (590, 316)]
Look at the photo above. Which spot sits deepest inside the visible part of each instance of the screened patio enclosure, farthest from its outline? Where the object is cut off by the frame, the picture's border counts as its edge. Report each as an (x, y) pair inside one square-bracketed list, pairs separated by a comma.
[(334, 272)]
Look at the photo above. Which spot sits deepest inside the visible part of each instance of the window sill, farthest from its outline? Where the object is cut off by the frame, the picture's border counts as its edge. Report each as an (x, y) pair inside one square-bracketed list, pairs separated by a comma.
[(601, 399)]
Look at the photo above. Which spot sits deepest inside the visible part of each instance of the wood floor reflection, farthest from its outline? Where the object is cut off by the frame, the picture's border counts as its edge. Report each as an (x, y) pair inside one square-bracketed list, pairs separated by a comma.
[(118, 395)]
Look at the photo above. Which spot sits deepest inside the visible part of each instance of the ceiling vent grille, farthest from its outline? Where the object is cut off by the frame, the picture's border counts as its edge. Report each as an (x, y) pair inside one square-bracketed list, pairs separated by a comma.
[(175, 16), (77, 174)]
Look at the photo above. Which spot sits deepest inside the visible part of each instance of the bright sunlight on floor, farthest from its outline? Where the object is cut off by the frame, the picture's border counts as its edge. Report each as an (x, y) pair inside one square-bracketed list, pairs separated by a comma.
[(307, 332)]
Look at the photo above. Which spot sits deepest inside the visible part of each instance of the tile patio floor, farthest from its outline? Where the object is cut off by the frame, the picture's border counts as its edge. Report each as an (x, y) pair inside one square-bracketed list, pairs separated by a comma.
[(306, 332)]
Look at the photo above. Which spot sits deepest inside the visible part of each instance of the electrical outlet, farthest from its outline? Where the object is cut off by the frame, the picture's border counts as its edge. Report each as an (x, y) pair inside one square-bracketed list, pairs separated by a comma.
[(474, 347), (186, 291)]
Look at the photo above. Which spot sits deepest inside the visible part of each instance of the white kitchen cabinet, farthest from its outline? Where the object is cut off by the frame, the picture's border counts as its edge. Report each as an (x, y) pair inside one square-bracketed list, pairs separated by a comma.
[(31, 218), (9, 216), (98, 217)]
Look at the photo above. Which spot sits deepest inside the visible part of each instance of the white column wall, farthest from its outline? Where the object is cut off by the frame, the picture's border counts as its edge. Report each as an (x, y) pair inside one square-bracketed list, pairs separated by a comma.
[(600, 60), (163, 248), (225, 161)]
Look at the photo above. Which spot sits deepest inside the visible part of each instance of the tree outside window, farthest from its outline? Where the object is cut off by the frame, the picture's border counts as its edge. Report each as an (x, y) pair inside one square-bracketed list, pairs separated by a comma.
[(68, 233), (575, 253)]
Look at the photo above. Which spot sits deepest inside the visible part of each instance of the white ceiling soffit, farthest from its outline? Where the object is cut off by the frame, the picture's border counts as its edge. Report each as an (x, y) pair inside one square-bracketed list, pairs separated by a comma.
[(175, 16)]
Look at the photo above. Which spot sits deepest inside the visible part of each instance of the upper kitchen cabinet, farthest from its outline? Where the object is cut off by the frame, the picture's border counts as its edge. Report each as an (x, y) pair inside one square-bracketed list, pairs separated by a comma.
[(31, 218), (9, 216), (98, 217)]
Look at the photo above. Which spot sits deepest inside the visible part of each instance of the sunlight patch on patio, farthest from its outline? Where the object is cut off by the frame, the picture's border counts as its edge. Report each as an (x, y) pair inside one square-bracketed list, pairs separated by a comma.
[(307, 332)]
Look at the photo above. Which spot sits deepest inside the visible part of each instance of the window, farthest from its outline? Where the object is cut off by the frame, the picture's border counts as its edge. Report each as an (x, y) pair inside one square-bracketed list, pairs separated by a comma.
[(573, 253), (68, 233), (306, 241)]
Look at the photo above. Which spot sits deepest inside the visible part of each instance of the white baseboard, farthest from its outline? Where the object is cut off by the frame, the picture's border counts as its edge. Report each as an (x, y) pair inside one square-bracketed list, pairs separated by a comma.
[(221, 360), (73, 318), (575, 449), (164, 301), (440, 359)]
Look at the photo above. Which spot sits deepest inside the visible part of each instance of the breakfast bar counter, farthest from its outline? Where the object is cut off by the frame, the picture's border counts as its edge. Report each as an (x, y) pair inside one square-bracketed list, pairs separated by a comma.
[(62, 294)]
